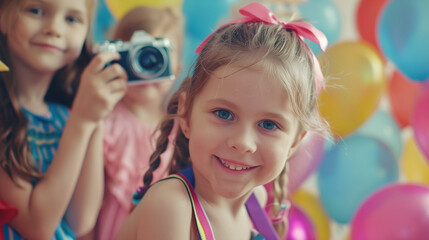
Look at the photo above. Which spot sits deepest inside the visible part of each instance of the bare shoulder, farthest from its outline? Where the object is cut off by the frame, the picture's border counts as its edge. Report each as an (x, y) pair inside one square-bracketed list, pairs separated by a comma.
[(165, 212), (15, 193)]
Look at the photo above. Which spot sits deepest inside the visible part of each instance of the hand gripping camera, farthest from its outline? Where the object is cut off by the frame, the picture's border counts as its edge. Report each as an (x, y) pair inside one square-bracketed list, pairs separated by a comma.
[(144, 58)]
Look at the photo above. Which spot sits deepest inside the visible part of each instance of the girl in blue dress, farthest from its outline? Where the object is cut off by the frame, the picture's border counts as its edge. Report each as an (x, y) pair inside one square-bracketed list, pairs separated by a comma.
[(51, 158)]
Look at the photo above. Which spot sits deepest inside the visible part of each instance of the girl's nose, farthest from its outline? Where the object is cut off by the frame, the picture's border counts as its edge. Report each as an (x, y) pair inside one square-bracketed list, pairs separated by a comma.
[(53, 27), (243, 140)]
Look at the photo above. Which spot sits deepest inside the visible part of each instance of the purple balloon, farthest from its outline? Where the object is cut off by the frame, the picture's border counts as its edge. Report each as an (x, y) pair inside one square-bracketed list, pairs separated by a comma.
[(420, 121), (305, 160), (398, 211), (300, 225)]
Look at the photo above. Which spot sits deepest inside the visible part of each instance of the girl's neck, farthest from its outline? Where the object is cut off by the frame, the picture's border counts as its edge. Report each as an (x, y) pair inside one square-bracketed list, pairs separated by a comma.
[(31, 88), (149, 114), (228, 217), (211, 199)]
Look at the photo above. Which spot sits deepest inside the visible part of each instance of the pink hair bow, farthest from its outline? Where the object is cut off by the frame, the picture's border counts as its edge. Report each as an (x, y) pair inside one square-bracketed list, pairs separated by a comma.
[(256, 12)]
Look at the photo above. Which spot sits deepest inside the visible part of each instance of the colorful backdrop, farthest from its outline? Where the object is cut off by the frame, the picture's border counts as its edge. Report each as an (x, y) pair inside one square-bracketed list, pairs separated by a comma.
[(372, 180)]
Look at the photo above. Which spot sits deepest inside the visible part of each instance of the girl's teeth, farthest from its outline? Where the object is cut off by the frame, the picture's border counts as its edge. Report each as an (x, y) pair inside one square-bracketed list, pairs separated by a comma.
[(233, 167)]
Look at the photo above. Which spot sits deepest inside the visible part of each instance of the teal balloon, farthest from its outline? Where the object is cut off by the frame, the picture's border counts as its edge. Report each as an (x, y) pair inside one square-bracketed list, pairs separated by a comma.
[(324, 15), (202, 16), (403, 36), (353, 169), (383, 127), (103, 21), (189, 57)]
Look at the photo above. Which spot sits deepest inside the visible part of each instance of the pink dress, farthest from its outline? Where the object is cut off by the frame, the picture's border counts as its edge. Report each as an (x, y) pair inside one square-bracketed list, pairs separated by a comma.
[(128, 145)]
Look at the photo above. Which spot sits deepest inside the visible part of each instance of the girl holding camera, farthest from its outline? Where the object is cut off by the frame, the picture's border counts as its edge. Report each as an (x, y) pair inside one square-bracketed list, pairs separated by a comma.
[(51, 162)]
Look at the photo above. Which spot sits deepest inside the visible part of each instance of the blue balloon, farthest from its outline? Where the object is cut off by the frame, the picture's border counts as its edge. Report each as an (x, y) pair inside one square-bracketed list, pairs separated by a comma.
[(324, 15), (381, 126), (403, 35), (350, 172), (202, 16), (188, 58), (103, 21)]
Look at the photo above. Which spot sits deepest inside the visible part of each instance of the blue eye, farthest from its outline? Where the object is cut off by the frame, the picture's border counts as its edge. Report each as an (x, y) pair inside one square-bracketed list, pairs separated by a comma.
[(36, 11), (223, 114), (73, 19), (268, 125)]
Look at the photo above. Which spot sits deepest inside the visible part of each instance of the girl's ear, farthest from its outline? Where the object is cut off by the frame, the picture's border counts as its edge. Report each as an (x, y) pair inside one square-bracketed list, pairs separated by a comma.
[(183, 121), (297, 142)]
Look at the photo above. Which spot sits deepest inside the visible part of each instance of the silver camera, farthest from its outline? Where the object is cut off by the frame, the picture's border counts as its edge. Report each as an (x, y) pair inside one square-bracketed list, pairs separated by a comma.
[(145, 58)]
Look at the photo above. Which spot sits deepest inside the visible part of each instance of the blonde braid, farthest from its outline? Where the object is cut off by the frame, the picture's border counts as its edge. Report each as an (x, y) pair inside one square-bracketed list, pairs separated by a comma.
[(165, 127), (279, 194), (161, 145)]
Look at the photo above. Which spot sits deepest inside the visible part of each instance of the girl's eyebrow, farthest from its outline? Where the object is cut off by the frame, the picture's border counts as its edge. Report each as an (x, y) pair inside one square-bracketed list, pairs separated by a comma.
[(222, 101), (79, 12), (38, 1), (72, 10)]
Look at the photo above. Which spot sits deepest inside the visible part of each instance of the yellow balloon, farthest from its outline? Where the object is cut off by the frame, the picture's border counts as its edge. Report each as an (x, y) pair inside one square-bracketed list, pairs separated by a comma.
[(355, 83), (119, 7), (312, 207), (414, 165), (3, 67)]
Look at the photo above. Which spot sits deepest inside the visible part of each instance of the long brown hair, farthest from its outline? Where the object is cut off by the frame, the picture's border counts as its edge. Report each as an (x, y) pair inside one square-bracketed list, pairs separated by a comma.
[(282, 53), (17, 159)]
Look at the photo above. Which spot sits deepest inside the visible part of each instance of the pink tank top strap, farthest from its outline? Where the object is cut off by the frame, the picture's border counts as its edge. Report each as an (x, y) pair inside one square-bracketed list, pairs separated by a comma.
[(203, 225)]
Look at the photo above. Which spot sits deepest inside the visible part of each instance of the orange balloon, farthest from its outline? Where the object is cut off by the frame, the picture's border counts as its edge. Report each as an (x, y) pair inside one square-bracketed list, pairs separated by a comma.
[(119, 7), (414, 164), (403, 95), (312, 207), (355, 83)]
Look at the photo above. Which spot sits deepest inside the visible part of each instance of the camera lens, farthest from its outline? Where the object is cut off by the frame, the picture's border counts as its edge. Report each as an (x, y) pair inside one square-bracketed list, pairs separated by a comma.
[(148, 62), (150, 59)]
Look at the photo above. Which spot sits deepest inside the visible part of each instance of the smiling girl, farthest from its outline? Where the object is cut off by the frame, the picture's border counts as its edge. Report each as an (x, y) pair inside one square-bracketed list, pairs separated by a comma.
[(242, 114)]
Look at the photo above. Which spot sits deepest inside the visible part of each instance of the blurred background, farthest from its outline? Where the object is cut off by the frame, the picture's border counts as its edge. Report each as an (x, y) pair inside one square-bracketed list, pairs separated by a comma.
[(372, 180)]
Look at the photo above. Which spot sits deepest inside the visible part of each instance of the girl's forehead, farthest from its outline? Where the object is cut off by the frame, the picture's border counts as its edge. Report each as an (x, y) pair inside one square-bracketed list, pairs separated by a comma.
[(82, 5), (264, 67), (252, 80)]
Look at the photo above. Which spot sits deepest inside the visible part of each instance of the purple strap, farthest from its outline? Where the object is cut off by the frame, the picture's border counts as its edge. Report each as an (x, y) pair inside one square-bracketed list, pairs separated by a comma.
[(260, 219)]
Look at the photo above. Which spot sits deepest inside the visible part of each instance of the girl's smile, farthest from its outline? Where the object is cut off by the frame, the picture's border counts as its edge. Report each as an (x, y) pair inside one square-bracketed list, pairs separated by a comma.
[(48, 47), (234, 166)]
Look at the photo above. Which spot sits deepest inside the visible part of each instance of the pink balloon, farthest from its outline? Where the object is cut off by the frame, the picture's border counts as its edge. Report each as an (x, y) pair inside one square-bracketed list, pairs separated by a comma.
[(420, 121), (398, 211), (305, 160), (300, 225)]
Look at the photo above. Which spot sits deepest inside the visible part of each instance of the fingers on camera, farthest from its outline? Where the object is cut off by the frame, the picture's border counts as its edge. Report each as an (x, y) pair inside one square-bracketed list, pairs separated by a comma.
[(114, 72), (100, 61)]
